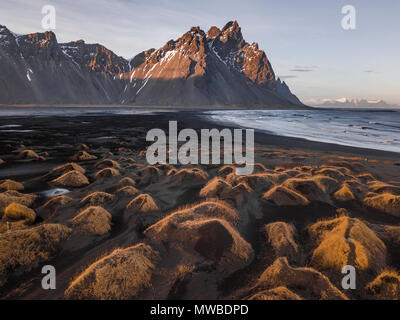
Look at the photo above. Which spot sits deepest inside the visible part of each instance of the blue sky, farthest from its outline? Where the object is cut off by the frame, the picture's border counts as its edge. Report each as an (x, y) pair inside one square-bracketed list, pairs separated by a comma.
[(304, 39)]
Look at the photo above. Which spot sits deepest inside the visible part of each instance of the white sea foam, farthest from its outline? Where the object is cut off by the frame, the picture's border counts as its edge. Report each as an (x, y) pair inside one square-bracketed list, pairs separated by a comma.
[(365, 129), (54, 192)]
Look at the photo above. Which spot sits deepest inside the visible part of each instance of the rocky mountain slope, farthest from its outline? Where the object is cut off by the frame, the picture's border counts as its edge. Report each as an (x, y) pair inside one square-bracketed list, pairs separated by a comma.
[(199, 69), (37, 69)]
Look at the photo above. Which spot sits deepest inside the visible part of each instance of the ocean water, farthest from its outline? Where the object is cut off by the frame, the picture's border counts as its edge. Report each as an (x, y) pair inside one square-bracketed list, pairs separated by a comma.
[(70, 112), (373, 129)]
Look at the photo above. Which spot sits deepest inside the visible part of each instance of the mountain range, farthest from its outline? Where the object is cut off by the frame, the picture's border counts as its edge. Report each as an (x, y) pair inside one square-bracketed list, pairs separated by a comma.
[(200, 68), (351, 103)]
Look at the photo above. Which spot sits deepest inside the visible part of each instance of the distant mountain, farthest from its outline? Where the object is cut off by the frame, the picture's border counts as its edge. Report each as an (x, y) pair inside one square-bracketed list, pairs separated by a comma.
[(199, 69), (352, 103)]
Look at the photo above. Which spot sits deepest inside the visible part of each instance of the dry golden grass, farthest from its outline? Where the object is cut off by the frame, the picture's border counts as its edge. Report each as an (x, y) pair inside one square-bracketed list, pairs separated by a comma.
[(82, 156), (28, 155), (143, 203), (242, 187), (280, 236), (306, 168), (346, 241), (331, 172), (107, 163), (149, 174), (127, 191), (386, 286), (73, 179), (216, 188), (279, 293), (181, 271), (382, 187), (346, 166), (309, 188), (291, 172), (190, 175), (201, 231), (127, 181), (259, 181), (56, 202), (385, 202), (9, 197), (327, 184), (5, 225), (344, 193), (282, 196), (123, 274), (212, 238), (134, 166), (97, 198), (93, 220), (306, 282), (106, 173), (258, 168), (7, 185), (226, 169), (366, 178), (164, 166), (64, 168), (23, 250), (209, 208), (171, 172), (16, 211)]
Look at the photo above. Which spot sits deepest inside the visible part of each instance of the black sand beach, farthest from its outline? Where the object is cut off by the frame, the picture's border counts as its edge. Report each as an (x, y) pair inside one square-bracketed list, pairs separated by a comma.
[(135, 204)]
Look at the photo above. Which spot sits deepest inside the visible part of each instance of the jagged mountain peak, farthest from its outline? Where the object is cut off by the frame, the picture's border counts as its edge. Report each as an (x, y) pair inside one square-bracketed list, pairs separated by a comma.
[(233, 26), (41, 38), (198, 68), (196, 31), (217, 67), (3, 29), (95, 57), (232, 33), (213, 32), (5, 34)]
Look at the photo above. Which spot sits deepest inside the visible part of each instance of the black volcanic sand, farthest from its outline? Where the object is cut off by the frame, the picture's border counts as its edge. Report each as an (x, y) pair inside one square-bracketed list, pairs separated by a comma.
[(178, 271)]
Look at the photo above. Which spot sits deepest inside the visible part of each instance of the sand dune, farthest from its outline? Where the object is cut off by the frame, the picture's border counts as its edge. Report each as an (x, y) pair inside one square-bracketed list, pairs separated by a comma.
[(306, 282), (120, 275), (73, 179), (346, 241)]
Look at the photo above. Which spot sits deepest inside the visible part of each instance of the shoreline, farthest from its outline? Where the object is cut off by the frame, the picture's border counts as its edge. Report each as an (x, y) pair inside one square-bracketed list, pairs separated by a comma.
[(171, 108), (198, 119), (271, 139)]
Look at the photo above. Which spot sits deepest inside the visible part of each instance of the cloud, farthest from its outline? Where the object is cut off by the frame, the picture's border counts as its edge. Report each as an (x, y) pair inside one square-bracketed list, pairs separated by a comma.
[(298, 68), (370, 71)]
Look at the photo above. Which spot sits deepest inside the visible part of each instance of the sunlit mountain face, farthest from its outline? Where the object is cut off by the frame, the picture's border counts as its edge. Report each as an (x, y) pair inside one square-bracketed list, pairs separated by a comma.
[(198, 69)]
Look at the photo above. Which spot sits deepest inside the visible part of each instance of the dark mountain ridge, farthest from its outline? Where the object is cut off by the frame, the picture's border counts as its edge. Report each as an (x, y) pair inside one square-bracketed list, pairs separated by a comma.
[(198, 69)]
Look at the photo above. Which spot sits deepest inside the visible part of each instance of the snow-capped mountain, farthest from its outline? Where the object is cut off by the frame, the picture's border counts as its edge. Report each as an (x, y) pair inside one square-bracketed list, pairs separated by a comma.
[(351, 103), (198, 69)]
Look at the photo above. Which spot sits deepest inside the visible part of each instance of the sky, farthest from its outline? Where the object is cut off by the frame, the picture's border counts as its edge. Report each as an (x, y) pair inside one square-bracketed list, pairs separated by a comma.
[(304, 40)]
